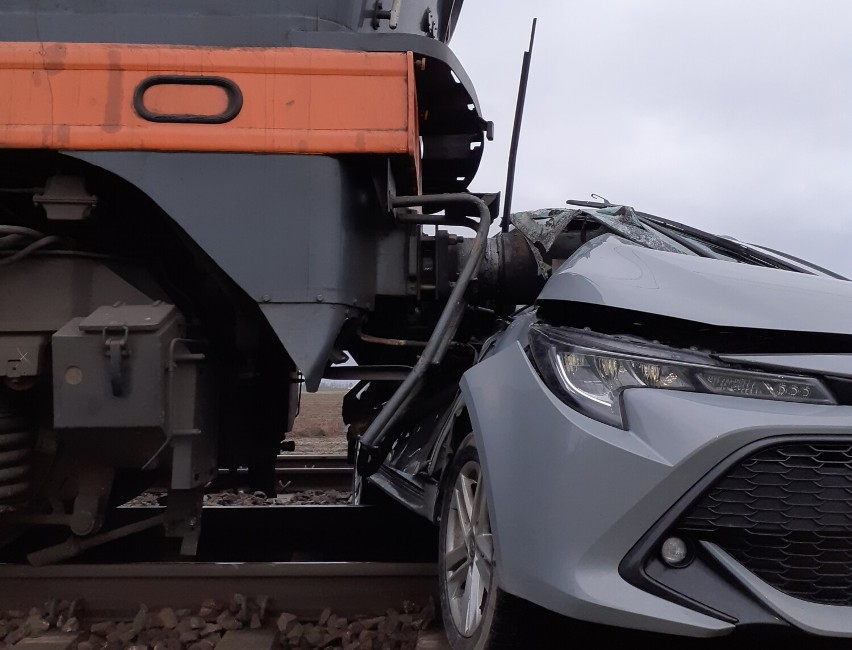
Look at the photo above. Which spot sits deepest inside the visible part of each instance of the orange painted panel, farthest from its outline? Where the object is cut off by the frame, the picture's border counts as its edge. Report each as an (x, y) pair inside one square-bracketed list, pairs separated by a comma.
[(291, 100)]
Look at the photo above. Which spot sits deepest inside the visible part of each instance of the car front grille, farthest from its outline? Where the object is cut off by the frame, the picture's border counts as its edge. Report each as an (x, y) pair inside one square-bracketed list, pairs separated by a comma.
[(785, 513)]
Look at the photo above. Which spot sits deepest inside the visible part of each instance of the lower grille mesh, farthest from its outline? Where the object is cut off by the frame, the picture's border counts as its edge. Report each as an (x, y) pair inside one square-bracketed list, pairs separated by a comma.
[(785, 513)]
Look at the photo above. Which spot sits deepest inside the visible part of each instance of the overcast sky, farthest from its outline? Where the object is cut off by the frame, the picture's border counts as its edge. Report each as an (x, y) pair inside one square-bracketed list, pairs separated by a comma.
[(734, 116)]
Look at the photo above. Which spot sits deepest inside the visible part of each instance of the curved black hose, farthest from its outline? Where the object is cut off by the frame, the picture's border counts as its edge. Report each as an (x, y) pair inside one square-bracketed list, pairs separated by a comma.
[(20, 230), (10, 241), (39, 243)]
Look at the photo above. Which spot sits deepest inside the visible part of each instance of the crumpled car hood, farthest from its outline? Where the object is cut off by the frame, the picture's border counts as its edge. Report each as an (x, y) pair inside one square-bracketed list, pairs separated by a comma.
[(614, 272)]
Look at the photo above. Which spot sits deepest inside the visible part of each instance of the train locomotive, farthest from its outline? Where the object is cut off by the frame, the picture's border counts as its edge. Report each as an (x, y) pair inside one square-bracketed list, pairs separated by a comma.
[(206, 208)]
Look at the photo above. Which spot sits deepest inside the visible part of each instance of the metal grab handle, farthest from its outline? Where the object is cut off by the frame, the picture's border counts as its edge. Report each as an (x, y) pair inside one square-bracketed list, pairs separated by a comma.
[(116, 350), (231, 89), (392, 15), (115, 379)]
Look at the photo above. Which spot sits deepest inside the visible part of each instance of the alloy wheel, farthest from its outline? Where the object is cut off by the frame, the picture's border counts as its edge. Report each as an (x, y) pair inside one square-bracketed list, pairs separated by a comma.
[(468, 551)]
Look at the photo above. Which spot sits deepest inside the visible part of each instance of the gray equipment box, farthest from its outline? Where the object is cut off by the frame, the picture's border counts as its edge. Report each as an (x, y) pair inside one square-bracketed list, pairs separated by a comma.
[(110, 368)]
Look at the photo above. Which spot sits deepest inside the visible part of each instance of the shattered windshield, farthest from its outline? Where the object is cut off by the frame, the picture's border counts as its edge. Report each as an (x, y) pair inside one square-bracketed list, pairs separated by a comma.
[(544, 226), (541, 229)]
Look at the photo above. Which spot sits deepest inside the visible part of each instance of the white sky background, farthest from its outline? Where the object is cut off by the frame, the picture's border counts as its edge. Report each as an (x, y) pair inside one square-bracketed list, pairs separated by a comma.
[(733, 116)]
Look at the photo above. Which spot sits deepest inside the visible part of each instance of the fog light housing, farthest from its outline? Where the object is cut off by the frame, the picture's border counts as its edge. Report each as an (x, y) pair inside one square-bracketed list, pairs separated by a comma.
[(675, 552)]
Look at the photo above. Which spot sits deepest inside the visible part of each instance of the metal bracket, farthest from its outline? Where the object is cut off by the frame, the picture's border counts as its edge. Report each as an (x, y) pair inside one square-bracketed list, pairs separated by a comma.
[(116, 350), (429, 24), (391, 15), (65, 198), (183, 518)]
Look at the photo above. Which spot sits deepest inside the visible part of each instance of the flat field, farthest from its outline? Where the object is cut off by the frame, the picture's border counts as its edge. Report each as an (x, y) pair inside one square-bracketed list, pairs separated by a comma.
[(319, 429)]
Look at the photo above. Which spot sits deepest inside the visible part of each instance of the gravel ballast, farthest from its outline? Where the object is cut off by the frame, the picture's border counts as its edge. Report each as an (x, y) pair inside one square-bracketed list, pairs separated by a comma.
[(64, 625)]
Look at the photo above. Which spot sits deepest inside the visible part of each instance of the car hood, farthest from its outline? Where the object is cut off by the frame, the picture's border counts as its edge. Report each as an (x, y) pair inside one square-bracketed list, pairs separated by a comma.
[(614, 272)]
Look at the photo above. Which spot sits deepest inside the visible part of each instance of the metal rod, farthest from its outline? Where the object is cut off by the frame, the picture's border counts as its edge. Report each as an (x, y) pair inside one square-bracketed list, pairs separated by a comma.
[(516, 131), (367, 373), (401, 343), (76, 545), (445, 342), (437, 220), (369, 446)]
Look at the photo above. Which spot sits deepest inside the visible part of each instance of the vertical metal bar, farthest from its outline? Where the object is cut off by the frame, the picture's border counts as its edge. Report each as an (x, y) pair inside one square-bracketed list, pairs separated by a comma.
[(516, 131)]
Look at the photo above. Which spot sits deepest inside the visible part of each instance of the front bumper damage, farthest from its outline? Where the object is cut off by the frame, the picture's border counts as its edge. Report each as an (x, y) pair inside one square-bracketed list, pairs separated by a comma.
[(579, 509)]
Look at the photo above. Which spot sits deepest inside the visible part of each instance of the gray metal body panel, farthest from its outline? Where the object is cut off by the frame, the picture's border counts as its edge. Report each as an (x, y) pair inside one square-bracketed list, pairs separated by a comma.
[(297, 233), (308, 332), (41, 295), (569, 496), (259, 21), (611, 272), (66, 287), (285, 228)]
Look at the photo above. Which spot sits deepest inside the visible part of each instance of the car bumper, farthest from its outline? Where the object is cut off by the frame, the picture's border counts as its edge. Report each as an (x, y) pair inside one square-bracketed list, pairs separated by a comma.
[(579, 508)]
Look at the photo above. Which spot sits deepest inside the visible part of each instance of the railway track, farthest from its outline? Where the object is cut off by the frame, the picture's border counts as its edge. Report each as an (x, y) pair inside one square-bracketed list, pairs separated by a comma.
[(313, 471), (363, 563), (304, 589), (298, 472), (368, 565), (229, 606), (312, 461)]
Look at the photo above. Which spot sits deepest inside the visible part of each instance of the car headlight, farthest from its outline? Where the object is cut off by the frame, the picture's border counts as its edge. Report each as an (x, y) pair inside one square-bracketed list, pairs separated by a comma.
[(590, 372)]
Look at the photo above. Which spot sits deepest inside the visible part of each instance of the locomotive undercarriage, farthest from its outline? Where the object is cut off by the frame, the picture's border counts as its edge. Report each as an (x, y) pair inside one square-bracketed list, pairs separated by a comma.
[(127, 363)]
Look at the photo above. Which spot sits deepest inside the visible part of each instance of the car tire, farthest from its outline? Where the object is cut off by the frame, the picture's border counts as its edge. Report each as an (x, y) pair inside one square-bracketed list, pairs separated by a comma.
[(476, 614)]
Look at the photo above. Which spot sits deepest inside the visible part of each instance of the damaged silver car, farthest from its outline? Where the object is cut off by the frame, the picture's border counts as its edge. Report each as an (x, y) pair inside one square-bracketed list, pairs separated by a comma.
[(660, 441)]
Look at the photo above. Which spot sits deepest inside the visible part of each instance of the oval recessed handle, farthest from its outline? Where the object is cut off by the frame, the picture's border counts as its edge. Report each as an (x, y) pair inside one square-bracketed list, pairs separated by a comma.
[(232, 92)]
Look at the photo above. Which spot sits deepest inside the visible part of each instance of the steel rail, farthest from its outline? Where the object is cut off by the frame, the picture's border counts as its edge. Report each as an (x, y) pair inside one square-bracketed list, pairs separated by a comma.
[(302, 471), (296, 478), (301, 588), (311, 460)]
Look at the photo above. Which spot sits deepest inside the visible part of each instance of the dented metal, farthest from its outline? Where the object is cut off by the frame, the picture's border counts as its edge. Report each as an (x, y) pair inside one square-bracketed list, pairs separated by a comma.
[(542, 228), (613, 272)]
